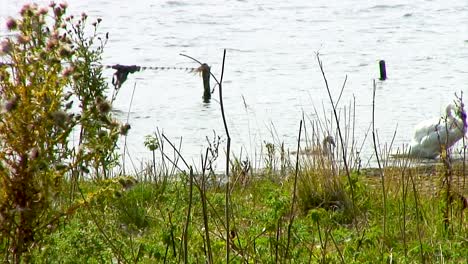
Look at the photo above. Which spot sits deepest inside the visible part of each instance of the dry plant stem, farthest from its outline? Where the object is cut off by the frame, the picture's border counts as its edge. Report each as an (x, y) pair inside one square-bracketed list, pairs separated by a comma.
[(174, 252), (294, 191), (448, 191), (278, 231), (125, 138), (337, 248), (164, 169), (415, 194), (228, 148), (341, 92), (228, 151), (348, 175), (204, 208), (404, 183), (176, 150), (187, 222), (384, 195)]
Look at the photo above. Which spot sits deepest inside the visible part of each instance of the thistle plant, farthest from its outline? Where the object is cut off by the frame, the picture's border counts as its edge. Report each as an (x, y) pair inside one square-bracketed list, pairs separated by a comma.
[(47, 63)]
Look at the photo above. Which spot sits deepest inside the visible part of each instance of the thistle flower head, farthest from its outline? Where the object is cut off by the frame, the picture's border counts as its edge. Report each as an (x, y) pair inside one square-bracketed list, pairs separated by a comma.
[(124, 129), (11, 24), (43, 10), (68, 71), (5, 47)]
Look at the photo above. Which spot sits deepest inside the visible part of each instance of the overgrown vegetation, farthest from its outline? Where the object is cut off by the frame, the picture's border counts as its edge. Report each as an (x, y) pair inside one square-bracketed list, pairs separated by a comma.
[(60, 202), (50, 65)]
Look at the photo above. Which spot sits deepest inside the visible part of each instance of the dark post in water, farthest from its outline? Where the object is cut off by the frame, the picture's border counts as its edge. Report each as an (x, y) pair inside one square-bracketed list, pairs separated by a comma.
[(383, 70), (206, 82)]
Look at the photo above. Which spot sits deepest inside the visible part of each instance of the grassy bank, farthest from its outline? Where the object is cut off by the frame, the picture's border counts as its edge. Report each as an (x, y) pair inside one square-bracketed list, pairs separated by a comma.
[(150, 221)]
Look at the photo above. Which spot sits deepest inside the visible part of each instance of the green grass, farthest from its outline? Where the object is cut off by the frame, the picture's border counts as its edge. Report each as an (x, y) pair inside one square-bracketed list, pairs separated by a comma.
[(145, 224)]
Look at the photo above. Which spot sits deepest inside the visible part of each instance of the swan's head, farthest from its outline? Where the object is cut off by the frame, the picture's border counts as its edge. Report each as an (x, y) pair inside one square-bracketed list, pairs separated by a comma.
[(329, 141), (450, 109)]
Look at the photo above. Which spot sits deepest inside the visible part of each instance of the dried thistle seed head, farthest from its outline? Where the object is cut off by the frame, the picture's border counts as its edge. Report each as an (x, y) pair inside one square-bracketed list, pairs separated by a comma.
[(51, 44), (98, 100), (34, 153), (11, 24), (11, 104), (124, 129), (59, 117), (65, 51), (102, 133), (22, 39), (114, 124), (99, 20), (103, 106), (43, 55)]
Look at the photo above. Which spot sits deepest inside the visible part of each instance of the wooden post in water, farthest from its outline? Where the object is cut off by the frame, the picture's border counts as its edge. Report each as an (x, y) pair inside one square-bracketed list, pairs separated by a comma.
[(206, 72), (383, 70)]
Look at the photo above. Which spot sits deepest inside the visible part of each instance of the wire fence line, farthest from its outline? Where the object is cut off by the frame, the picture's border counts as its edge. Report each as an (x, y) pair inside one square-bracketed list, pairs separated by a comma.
[(122, 71)]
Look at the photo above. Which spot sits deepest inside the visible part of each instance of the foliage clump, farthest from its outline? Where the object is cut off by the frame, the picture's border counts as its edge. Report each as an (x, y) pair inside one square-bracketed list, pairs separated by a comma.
[(49, 64)]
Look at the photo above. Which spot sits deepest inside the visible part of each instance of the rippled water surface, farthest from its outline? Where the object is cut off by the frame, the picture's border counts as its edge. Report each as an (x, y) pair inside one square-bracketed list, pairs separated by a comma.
[(271, 75)]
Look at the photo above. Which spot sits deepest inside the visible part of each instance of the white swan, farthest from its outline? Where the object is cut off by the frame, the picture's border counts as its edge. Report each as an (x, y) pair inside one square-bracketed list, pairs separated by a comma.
[(432, 136)]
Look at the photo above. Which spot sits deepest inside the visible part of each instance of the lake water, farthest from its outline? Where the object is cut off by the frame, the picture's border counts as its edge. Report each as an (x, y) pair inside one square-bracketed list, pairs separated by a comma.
[(272, 76)]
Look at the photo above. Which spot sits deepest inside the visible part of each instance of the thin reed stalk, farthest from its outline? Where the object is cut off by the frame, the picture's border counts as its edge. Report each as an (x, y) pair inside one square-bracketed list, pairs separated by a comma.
[(202, 190), (418, 224), (336, 246), (189, 211), (348, 174), (382, 178), (294, 198), (228, 151), (125, 136)]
